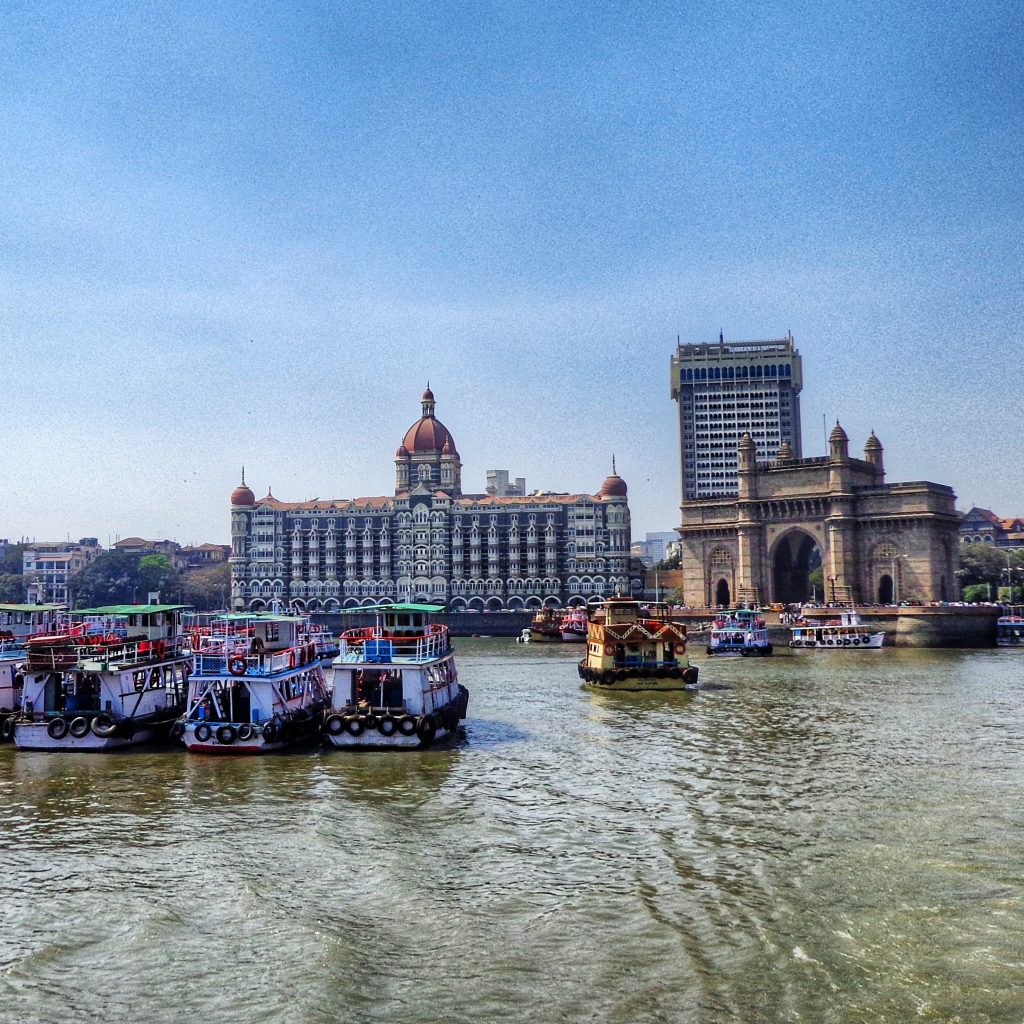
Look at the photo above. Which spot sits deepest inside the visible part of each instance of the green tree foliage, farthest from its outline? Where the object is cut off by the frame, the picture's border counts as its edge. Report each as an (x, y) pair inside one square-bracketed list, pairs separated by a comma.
[(12, 588), (976, 592), (123, 577), (207, 589), (674, 562), (11, 561), (983, 563)]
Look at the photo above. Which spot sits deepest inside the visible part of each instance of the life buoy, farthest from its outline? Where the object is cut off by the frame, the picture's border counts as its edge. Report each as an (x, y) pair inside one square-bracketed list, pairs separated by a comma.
[(334, 725), (407, 725), (203, 732), (354, 725), (237, 664), (103, 725), (387, 726), (680, 648), (609, 650), (226, 735), (57, 729)]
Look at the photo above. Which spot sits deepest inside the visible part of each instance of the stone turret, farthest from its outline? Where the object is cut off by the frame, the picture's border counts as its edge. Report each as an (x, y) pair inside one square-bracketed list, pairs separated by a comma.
[(838, 444), (785, 453), (746, 454), (873, 453)]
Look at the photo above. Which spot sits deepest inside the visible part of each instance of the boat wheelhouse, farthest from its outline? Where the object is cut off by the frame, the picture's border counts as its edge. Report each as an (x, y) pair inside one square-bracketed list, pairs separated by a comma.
[(19, 622), (847, 632), (634, 646), (742, 633), (1010, 628), (573, 627), (258, 686), (114, 677), (395, 683), (544, 626)]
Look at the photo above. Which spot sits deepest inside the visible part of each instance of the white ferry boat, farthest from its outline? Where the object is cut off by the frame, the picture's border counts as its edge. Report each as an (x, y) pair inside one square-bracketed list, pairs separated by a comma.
[(742, 633), (19, 622), (634, 646), (115, 677), (395, 683), (258, 686), (847, 632), (573, 627), (1010, 628)]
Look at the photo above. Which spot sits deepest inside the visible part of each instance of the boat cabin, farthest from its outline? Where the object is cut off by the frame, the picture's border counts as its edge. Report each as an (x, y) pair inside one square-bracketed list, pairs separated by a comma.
[(20, 621)]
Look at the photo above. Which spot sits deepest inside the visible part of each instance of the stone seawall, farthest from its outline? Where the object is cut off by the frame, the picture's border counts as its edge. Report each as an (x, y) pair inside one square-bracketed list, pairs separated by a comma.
[(459, 623)]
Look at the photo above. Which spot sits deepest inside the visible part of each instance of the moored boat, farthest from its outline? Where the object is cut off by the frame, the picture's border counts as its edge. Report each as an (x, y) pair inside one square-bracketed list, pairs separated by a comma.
[(544, 626), (634, 646), (1010, 628), (258, 686), (742, 633), (573, 627), (395, 683), (18, 623), (113, 677), (847, 632)]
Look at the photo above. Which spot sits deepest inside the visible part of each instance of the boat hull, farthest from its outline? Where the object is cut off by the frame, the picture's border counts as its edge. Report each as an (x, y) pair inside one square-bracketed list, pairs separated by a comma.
[(741, 652), (35, 736), (623, 679), (373, 740), (864, 642)]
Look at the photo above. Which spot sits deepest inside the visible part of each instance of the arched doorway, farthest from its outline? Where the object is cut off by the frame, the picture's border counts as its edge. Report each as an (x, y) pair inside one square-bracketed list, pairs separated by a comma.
[(796, 556), (885, 590), (722, 594)]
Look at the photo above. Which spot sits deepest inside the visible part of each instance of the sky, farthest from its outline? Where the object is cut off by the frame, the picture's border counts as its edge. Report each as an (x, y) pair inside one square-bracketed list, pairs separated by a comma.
[(236, 233)]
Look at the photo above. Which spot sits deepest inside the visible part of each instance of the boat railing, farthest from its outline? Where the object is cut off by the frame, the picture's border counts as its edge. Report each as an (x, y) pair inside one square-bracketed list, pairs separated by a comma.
[(372, 645), (242, 661), (109, 647)]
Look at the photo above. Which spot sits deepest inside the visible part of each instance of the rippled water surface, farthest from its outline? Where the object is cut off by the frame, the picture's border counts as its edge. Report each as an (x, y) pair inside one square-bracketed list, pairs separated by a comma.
[(818, 837)]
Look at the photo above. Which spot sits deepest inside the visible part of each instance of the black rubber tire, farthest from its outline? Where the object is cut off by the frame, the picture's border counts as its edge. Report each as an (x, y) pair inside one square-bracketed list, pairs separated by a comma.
[(387, 726), (334, 726), (690, 675), (103, 726), (203, 732), (245, 732), (79, 727), (407, 725), (57, 729), (226, 735), (7, 728), (354, 725), (426, 729), (270, 732)]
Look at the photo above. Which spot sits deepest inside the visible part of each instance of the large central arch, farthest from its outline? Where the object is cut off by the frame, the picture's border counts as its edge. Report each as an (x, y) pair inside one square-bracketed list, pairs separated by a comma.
[(795, 556)]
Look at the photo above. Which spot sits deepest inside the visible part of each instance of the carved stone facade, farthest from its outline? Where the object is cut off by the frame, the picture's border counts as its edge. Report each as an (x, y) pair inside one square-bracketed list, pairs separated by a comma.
[(877, 543), (430, 542)]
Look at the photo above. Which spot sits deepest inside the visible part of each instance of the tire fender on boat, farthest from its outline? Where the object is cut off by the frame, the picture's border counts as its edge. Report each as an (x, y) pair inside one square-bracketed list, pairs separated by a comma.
[(203, 732), (426, 729), (387, 726), (354, 725), (57, 729), (334, 725), (226, 735), (103, 726), (407, 725)]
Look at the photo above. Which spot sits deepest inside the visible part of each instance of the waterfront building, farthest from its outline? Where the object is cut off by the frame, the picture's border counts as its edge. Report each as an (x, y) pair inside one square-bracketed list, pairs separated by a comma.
[(983, 526), (500, 486), (48, 566), (724, 391), (429, 541), (876, 542)]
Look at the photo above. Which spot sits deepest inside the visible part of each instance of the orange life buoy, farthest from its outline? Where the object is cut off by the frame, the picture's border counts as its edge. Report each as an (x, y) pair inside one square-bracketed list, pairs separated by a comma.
[(237, 664), (608, 649), (680, 648)]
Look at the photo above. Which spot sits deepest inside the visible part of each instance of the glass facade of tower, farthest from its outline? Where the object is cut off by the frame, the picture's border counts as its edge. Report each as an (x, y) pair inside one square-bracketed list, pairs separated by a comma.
[(725, 390)]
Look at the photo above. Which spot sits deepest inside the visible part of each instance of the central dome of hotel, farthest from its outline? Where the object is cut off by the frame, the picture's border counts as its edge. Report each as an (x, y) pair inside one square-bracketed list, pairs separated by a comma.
[(428, 433)]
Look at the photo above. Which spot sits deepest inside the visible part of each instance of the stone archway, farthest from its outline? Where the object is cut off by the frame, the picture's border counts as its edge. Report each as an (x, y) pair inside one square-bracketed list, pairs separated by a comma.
[(886, 590), (795, 556), (722, 596)]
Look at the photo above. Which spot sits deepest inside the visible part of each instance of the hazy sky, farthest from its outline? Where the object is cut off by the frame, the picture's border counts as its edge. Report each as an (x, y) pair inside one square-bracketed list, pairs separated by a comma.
[(251, 232)]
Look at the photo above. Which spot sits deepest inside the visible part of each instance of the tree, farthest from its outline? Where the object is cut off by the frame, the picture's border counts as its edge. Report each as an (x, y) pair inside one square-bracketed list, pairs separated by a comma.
[(11, 561), (670, 563), (976, 592), (207, 589), (123, 577), (157, 574), (983, 563), (12, 587)]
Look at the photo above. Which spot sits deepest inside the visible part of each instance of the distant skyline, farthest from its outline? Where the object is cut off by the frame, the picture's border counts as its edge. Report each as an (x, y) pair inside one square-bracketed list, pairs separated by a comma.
[(236, 234)]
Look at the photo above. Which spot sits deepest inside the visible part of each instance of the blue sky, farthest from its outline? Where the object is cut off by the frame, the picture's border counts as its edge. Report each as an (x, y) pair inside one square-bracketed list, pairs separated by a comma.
[(250, 233)]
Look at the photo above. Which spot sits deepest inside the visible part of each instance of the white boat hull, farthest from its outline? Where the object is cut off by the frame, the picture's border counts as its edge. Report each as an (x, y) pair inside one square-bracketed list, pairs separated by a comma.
[(371, 739), (864, 642), (33, 736)]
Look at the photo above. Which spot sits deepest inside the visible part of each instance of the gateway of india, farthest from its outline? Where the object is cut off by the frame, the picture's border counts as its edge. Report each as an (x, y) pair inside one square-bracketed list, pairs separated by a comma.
[(765, 524)]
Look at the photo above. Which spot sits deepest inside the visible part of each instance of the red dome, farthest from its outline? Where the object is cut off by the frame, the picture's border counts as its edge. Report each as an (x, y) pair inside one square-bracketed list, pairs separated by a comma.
[(428, 395), (613, 487), (241, 495), (402, 453), (427, 435)]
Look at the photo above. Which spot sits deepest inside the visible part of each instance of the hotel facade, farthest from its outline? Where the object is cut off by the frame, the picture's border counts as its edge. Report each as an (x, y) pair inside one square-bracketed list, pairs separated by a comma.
[(430, 542)]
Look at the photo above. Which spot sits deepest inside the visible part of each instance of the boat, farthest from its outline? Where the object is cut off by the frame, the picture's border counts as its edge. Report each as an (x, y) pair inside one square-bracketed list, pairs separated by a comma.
[(19, 622), (635, 646), (113, 677), (258, 686), (847, 631), (524, 637), (740, 633), (1010, 628), (573, 626), (544, 626), (395, 684)]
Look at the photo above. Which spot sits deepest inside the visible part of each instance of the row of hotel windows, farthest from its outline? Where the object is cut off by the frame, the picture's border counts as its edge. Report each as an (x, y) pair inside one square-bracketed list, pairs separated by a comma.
[(698, 373)]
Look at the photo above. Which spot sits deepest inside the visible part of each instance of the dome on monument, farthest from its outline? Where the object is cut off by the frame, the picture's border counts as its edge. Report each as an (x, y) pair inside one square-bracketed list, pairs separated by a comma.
[(614, 486), (838, 434), (872, 444), (242, 495), (428, 434)]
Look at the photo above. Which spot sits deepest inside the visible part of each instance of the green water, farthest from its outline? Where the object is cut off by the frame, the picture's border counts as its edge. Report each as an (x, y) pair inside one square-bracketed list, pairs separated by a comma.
[(826, 837)]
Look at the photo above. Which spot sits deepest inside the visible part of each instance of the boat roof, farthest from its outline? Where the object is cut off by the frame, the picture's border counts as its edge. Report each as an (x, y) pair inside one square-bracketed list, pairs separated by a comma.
[(131, 609), (259, 617), (33, 607), (398, 607)]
